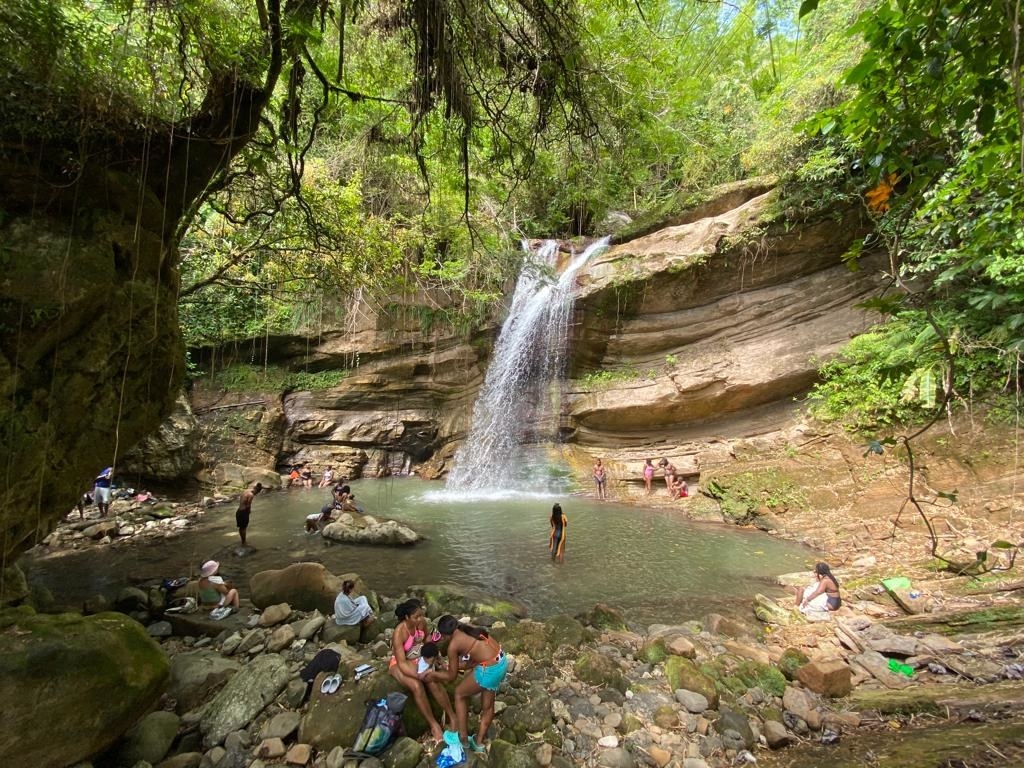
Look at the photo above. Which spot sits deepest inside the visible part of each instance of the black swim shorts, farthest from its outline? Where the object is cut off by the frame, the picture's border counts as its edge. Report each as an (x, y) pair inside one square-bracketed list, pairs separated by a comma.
[(242, 518)]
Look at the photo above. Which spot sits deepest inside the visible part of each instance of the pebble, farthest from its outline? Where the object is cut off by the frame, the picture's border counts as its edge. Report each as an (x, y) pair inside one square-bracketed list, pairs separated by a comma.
[(609, 742)]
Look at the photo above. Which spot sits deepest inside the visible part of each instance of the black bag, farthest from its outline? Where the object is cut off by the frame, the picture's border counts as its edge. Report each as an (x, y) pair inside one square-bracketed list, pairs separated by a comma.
[(381, 725), (325, 660)]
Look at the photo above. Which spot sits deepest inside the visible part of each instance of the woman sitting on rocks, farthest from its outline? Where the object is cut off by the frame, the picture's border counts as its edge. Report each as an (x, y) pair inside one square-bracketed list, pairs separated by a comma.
[(822, 596), (213, 590), (406, 643), (348, 610)]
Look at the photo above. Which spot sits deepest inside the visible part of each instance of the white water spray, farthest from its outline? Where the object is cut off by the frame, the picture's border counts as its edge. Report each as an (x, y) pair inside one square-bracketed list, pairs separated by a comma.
[(518, 405)]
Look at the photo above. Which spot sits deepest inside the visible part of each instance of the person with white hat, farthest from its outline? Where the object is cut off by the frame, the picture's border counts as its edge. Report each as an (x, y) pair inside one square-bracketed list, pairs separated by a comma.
[(213, 589)]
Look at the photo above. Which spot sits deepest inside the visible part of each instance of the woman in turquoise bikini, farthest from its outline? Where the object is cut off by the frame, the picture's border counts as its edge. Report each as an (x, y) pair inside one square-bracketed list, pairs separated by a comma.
[(405, 651), (473, 647)]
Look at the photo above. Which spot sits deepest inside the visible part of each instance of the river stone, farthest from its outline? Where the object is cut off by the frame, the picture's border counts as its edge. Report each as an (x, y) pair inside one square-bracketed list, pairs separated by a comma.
[(565, 630), (800, 703), (281, 638), (737, 723), (683, 673), (603, 617), (598, 669), (770, 612), (831, 678), (535, 714), (89, 677), (776, 735), (307, 629), (692, 701), (369, 530), (681, 646), (299, 754), (148, 740), (183, 760), (281, 726), (270, 748), (615, 758), (404, 753), (255, 685), (504, 754), (274, 614), (524, 637), (792, 659), (196, 675)]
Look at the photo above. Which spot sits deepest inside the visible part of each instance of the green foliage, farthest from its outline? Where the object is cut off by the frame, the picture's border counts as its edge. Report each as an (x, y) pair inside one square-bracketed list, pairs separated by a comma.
[(251, 378), (608, 377), (935, 123)]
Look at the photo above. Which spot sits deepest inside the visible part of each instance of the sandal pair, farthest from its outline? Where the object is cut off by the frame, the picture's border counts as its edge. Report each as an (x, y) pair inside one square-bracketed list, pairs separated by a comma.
[(330, 684)]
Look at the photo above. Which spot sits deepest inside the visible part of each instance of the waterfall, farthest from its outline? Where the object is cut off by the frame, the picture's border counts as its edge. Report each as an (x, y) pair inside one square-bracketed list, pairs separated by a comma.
[(518, 406)]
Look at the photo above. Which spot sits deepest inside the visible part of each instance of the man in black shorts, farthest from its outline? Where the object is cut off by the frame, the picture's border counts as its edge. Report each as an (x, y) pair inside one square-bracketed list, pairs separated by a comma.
[(245, 509)]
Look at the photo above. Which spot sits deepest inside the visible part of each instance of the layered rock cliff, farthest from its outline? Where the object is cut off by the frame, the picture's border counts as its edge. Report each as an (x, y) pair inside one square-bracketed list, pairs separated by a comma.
[(684, 337)]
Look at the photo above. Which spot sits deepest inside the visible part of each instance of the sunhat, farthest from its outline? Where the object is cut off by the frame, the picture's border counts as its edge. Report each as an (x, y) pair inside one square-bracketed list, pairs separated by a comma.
[(209, 568)]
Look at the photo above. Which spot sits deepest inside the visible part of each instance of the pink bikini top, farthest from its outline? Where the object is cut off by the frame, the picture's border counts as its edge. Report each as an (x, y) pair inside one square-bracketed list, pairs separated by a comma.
[(416, 637)]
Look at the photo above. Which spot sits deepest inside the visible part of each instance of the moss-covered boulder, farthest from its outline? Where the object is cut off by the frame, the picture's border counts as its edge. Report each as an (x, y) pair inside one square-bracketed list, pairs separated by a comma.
[(460, 601), (792, 659), (89, 678), (525, 637), (506, 755), (565, 630), (598, 669), (603, 616), (764, 676), (683, 673), (654, 651)]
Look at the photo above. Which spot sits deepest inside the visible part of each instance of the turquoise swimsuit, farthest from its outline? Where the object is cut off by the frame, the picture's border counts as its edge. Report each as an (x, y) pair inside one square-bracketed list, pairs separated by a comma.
[(489, 674)]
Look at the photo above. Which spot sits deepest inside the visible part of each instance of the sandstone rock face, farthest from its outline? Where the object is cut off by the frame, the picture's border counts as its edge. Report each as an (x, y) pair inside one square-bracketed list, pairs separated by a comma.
[(90, 677), (171, 452), (715, 317), (716, 322)]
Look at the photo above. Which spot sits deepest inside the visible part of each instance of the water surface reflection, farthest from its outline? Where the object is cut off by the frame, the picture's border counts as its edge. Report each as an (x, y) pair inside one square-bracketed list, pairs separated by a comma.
[(651, 562)]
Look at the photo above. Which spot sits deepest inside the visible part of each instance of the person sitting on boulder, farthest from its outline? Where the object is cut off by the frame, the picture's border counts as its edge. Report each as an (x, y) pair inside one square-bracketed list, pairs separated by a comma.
[(822, 596), (213, 590), (348, 610), (680, 490)]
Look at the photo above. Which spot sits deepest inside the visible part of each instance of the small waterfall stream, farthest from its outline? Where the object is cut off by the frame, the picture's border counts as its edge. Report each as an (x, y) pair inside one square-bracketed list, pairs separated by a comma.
[(517, 408)]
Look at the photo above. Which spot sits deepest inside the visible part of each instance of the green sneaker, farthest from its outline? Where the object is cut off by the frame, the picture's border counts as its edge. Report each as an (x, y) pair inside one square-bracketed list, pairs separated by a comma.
[(474, 747)]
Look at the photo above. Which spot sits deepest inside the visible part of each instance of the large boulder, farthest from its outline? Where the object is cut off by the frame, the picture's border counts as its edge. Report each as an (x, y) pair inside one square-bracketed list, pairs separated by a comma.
[(196, 676), (246, 694), (353, 528), (304, 586), (149, 740), (71, 685), (464, 601)]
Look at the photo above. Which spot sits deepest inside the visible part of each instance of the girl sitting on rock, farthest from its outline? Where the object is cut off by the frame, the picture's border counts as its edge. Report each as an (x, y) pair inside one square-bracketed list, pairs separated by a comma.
[(213, 590)]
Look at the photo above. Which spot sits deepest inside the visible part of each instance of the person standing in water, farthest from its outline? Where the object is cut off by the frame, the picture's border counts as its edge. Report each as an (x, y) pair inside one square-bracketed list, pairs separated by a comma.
[(600, 477), (245, 509), (648, 475), (559, 527)]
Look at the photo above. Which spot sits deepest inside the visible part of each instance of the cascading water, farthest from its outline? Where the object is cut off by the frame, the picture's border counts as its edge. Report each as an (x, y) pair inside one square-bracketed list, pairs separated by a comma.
[(518, 405)]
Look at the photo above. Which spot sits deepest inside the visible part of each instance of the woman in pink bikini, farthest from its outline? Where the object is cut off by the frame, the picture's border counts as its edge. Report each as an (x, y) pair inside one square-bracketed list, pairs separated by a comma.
[(405, 650)]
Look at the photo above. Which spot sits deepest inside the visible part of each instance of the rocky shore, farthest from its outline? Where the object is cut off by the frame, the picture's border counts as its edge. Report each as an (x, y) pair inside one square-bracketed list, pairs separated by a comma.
[(590, 689)]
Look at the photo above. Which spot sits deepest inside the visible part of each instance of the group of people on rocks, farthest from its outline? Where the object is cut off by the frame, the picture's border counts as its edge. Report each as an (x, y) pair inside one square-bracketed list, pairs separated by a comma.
[(342, 500), (302, 475), (674, 482), (417, 664)]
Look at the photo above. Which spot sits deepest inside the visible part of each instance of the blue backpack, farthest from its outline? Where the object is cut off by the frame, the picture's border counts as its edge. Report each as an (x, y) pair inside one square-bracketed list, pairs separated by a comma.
[(381, 725)]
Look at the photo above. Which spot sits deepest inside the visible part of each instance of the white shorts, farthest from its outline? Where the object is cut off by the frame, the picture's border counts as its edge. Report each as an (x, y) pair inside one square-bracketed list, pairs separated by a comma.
[(101, 495)]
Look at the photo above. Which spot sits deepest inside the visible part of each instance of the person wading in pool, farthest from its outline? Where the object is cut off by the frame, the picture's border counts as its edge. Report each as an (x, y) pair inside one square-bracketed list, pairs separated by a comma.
[(245, 509)]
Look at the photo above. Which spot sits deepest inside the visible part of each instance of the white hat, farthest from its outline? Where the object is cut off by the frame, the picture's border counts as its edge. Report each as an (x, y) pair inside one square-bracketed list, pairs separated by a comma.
[(209, 568)]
